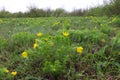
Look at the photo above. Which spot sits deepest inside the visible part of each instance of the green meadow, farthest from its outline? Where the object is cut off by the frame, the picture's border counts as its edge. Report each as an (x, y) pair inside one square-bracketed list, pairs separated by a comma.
[(60, 48)]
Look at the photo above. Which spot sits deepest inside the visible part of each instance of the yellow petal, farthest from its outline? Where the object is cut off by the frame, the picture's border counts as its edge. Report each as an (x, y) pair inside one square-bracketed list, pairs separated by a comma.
[(80, 49), (24, 54), (65, 34), (6, 70), (14, 73), (39, 34)]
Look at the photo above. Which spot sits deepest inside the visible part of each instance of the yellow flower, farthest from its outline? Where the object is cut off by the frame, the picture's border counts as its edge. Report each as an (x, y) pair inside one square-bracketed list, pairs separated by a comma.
[(80, 49), (24, 54), (39, 34), (35, 45), (14, 73), (6, 71), (65, 34)]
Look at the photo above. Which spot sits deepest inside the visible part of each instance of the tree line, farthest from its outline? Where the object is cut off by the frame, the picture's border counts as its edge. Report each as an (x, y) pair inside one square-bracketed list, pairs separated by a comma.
[(111, 8)]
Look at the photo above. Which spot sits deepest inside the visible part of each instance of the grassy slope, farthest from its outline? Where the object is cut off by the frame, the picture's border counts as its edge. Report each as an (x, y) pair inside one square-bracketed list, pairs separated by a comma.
[(99, 37)]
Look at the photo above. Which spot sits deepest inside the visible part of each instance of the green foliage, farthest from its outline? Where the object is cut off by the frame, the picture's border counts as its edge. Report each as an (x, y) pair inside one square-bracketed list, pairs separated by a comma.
[(54, 55), (93, 36), (96, 11), (56, 25), (3, 43), (22, 38), (4, 75), (56, 47), (115, 21), (112, 8), (17, 42), (78, 12), (59, 12), (4, 14)]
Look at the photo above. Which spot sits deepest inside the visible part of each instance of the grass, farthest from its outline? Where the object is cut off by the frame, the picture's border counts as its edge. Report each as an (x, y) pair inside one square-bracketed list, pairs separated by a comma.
[(66, 48)]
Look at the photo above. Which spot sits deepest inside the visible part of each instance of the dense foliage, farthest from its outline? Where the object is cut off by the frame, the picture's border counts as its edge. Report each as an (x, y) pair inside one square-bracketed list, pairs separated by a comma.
[(70, 48)]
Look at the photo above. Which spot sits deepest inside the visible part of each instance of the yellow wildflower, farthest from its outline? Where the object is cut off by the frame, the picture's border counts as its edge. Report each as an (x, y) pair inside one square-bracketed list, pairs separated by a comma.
[(65, 34), (14, 73), (24, 54), (80, 49), (39, 34), (35, 45), (6, 71)]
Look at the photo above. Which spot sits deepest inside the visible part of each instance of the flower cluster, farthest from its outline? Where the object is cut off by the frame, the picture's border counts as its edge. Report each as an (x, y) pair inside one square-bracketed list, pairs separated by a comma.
[(13, 73)]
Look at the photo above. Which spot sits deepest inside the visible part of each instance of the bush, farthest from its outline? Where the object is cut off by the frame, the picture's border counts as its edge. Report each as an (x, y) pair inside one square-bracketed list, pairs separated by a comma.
[(87, 36), (20, 41)]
